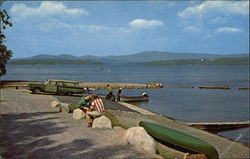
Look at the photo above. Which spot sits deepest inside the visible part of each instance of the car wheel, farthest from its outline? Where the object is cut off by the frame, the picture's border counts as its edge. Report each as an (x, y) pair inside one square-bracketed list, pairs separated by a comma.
[(69, 93), (37, 90), (60, 93)]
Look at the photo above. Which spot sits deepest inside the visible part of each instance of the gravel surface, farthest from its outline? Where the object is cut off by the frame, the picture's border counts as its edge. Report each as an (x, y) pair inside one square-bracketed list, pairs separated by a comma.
[(31, 128)]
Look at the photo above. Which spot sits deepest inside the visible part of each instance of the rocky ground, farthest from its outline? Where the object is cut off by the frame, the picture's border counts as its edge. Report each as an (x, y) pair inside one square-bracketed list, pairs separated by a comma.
[(31, 128)]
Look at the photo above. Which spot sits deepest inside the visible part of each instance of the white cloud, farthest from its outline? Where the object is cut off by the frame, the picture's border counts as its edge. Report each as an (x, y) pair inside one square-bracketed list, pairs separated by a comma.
[(141, 23), (93, 28), (53, 24), (218, 20), (210, 7), (45, 8), (228, 30), (192, 29)]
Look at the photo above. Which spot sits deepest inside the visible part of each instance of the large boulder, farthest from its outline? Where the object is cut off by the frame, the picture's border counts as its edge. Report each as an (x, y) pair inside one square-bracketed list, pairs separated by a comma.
[(78, 114), (138, 137), (55, 104), (102, 122), (65, 107)]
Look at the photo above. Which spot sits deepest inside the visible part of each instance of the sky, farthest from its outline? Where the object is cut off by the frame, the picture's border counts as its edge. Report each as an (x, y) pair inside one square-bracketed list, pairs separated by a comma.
[(125, 27)]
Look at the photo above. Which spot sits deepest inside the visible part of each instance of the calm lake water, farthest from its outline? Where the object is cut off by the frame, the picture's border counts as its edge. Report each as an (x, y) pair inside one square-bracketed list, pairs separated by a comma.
[(185, 104)]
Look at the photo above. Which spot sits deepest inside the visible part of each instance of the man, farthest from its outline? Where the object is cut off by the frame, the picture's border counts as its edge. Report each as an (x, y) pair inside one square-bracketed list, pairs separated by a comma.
[(84, 102), (109, 92), (118, 94), (96, 109)]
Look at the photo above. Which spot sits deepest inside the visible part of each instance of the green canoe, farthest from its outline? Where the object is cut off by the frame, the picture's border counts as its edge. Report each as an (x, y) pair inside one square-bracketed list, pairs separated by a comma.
[(180, 139)]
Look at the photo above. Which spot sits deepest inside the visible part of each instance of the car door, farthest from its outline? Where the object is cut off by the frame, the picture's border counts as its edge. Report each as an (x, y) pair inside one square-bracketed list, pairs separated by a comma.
[(51, 87)]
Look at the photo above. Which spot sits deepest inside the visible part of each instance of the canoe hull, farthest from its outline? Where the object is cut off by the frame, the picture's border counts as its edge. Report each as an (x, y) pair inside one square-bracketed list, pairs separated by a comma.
[(180, 139)]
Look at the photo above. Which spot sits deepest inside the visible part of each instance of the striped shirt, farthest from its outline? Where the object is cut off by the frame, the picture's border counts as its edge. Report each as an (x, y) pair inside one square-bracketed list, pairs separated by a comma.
[(98, 105)]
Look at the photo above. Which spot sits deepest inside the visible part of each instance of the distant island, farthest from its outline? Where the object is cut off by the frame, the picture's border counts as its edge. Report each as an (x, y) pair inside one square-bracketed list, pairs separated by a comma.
[(210, 62), (142, 58), (53, 62)]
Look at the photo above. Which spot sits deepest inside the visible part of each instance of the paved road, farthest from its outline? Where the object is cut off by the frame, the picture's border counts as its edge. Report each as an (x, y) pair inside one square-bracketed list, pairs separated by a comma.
[(30, 128)]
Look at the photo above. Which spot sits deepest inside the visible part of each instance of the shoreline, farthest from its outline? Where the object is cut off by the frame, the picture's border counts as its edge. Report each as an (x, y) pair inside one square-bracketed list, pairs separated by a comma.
[(91, 85), (127, 119), (102, 85)]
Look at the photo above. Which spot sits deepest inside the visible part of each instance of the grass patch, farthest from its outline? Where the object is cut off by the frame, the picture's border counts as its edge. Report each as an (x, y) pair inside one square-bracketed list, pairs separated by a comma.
[(72, 107), (114, 120)]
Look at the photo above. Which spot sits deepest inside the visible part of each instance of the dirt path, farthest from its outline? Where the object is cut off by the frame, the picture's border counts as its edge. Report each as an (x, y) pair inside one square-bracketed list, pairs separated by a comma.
[(30, 128)]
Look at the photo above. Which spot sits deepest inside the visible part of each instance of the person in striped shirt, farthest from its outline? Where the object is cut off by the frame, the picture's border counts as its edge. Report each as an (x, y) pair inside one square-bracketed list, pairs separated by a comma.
[(96, 109)]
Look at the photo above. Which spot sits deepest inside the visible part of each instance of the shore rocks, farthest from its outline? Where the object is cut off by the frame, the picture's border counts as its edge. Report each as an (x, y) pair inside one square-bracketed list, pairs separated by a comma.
[(138, 137), (55, 104), (78, 114), (102, 122), (154, 85), (65, 107)]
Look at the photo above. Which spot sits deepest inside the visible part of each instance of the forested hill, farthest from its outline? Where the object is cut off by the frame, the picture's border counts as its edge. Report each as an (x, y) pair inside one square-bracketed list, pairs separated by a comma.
[(149, 56), (215, 62), (53, 62)]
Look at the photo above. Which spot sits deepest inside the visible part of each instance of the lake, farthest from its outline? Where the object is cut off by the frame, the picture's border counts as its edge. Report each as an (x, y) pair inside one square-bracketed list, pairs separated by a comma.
[(185, 104)]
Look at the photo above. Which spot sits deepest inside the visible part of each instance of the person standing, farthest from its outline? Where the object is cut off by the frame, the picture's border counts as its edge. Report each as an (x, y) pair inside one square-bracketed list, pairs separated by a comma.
[(109, 92), (118, 94)]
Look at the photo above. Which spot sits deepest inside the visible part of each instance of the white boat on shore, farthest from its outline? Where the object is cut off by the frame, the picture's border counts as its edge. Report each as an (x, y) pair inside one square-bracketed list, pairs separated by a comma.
[(143, 98)]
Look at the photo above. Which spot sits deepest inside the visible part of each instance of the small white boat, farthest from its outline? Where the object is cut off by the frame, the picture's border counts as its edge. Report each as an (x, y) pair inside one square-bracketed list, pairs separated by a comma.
[(143, 98)]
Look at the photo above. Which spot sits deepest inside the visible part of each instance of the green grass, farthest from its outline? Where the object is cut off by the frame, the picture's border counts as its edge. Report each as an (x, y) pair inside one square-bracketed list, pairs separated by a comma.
[(114, 120), (73, 106)]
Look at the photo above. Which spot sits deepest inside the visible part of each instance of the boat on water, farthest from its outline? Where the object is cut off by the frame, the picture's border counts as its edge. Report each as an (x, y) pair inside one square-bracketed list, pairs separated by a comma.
[(143, 98), (220, 126), (180, 139), (214, 87)]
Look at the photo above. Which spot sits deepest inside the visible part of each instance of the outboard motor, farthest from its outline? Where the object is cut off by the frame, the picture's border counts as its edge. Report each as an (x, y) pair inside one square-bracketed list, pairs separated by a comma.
[(144, 94)]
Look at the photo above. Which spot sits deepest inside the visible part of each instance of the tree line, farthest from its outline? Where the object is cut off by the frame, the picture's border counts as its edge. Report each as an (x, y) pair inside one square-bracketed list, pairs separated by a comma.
[(5, 54)]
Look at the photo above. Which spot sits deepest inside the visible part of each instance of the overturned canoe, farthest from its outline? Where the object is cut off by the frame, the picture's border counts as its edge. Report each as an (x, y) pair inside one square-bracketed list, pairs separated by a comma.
[(134, 98), (180, 139)]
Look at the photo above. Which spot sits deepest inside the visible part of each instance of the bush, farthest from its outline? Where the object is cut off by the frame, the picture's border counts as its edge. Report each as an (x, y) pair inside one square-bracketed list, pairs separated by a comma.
[(72, 107)]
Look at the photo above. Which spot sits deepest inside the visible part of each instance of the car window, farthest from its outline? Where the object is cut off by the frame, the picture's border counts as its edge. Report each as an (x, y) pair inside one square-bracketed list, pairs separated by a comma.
[(53, 83), (60, 83), (70, 84)]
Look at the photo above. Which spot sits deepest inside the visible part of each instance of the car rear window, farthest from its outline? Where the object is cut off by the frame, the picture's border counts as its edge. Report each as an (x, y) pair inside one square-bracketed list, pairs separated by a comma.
[(69, 84), (60, 83)]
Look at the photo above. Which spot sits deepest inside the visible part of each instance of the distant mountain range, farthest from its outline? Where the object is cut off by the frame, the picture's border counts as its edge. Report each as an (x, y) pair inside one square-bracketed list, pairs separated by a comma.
[(45, 56), (148, 56)]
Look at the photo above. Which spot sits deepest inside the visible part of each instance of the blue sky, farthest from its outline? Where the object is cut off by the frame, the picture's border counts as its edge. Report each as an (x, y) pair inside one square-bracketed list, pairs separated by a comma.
[(118, 28)]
